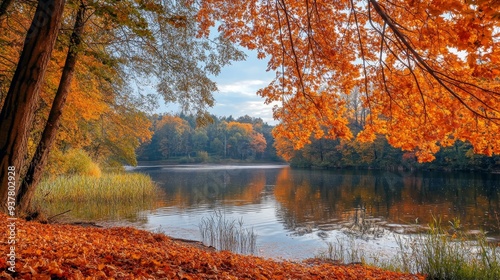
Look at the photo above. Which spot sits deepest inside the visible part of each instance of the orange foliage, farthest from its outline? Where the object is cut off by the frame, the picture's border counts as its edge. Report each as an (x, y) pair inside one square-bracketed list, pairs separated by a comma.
[(70, 252), (427, 70), (176, 122), (258, 142), (243, 128)]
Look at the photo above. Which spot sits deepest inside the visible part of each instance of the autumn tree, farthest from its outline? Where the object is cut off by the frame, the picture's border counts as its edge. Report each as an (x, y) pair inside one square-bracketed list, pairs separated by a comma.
[(180, 137), (124, 42), (37, 165), (21, 100), (427, 71), (172, 135)]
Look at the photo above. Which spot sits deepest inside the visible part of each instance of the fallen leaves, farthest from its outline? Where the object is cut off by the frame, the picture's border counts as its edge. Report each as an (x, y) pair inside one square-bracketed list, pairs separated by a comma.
[(71, 252)]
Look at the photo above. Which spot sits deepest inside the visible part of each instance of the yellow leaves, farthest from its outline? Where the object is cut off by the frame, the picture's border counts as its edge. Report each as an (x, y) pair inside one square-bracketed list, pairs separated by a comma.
[(136, 256), (245, 128), (258, 142), (179, 124), (424, 156), (54, 269), (366, 136)]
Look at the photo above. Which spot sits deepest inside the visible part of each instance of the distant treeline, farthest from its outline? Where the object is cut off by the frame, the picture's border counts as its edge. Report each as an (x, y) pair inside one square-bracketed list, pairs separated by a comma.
[(325, 153), (179, 138)]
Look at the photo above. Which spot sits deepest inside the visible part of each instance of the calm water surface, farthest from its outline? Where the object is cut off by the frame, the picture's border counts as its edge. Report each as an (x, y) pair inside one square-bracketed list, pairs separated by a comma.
[(295, 212)]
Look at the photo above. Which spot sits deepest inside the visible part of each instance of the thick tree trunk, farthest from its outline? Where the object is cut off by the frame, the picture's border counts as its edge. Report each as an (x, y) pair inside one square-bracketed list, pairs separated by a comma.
[(39, 161), (23, 95)]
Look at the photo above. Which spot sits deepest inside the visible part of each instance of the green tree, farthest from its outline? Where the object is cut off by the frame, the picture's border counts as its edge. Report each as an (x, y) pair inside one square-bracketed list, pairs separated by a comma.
[(200, 140)]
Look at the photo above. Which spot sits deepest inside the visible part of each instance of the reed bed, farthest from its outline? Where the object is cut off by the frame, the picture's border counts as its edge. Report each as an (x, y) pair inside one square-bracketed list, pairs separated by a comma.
[(120, 187), (449, 253), (443, 252), (343, 250), (224, 234)]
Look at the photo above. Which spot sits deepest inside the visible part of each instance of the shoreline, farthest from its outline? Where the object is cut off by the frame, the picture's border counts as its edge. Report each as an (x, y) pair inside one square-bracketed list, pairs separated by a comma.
[(73, 252)]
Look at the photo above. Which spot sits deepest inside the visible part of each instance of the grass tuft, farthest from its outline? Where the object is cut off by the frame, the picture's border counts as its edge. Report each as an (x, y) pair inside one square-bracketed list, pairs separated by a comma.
[(443, 252), (344, 250), (449, 253), (120, 195), (226, 234), (108, 188)]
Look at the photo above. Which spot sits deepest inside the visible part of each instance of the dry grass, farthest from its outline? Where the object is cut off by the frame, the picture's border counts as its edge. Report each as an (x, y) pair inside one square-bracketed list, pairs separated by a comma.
[(109, 188), (111, 196)]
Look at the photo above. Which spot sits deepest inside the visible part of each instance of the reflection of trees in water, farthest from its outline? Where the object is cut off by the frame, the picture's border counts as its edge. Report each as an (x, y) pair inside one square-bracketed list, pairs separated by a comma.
[(186, 188), (99, 211), (328, 197), (324, 199)]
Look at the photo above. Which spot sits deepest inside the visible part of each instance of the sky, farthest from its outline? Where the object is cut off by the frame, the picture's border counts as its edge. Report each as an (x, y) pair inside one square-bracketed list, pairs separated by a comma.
[(238, 84)]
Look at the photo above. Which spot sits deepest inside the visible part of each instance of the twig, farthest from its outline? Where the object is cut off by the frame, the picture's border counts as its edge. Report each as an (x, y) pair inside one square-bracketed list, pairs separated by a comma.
[(50, 218)]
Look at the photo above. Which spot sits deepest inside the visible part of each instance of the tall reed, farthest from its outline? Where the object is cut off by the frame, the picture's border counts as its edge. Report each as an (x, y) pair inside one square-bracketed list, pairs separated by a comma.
[(226, 234), (107, 188), (443, 252), (111, 196), (449, 253), (344, 250)]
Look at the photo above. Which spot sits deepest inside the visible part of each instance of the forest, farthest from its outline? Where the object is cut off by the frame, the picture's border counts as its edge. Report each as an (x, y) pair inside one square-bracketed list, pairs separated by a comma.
[(327, 153), (180, 139)]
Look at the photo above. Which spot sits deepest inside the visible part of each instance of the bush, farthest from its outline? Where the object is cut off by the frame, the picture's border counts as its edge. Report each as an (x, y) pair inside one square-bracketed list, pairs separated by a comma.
[(202, 156), (72, 162)]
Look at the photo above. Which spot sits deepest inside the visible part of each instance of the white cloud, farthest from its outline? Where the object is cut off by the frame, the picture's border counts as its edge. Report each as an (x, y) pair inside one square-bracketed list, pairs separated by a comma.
[(236, 106), (245, 87), (238, 85)]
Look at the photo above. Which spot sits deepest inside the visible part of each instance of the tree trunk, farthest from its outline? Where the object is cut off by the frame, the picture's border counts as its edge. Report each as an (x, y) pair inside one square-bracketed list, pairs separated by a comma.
[(39, 161), (23, 95)]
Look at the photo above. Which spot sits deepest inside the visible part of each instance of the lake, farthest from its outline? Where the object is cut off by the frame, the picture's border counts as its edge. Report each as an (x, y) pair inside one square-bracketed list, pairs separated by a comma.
[(296, 212)]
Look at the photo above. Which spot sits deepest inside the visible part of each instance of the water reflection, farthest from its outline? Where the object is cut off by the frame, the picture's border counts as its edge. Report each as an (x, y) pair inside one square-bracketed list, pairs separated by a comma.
[(326, 198), (124, 212), (307, 200), (189, 188)]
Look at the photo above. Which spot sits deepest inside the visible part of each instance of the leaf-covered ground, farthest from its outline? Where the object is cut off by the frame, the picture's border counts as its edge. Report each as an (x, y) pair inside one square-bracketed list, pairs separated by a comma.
[(53, 251)]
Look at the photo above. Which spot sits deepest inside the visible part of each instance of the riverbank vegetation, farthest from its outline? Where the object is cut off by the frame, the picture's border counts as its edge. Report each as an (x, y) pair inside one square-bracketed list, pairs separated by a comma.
[(72, 252), (178, 139), (440, 252), (110, 196), (74, 182), (108, 188), (227, 234)]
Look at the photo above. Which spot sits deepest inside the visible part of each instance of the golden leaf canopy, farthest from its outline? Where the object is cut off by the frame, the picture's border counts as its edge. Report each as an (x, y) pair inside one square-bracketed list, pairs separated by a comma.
[(427, 70)]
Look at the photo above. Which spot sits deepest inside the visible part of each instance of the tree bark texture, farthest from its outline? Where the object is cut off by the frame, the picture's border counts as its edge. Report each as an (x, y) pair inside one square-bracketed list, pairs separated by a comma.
[(22, 98), (39, 161)]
